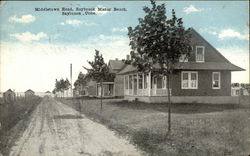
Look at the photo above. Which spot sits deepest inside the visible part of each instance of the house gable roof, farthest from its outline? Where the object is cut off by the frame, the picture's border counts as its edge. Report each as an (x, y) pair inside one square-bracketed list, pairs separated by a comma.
[(29, 90), (9, 90), (116, 65), (217, 55), (191, 66), (221, 63), (208, 66)]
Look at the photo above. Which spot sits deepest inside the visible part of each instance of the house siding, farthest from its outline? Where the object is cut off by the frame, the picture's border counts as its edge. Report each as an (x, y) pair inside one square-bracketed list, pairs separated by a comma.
[(204, 85), (29, 93), (119, 85), (91, 90), (9, 96)]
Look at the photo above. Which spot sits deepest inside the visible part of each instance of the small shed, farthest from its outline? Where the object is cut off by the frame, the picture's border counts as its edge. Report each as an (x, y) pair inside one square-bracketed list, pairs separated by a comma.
[(48, 93), (9, 96), (29, 93)]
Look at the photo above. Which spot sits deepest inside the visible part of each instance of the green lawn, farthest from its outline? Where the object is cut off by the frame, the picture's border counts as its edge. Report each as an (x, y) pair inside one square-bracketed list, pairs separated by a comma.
[(197, 129)]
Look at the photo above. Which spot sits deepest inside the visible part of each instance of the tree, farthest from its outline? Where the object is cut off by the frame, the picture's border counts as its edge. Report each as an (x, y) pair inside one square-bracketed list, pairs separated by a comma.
[(62, 86), (99, 71), (157, 43), (66, 85), (81, 82), (57, 86)]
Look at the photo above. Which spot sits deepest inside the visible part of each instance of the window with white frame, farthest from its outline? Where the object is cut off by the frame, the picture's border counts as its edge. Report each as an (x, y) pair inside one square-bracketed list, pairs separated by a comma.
[(130, 82), (145, 81), (216, 80), (126, 81), (189, 80), (200, 54), (160, 82), (140, 81), (164, 82)]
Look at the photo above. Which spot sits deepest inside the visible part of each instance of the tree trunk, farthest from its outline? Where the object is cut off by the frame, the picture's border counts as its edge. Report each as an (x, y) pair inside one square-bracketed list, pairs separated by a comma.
[(101, 95), (169, 104)]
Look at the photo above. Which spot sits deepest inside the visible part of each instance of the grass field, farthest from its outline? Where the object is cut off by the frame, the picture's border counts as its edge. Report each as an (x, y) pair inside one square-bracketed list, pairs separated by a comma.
[(13, 118), (197, 129)]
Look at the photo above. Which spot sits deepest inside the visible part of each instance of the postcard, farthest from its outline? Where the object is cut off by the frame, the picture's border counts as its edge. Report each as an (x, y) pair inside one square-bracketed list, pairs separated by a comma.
[(124, 78)]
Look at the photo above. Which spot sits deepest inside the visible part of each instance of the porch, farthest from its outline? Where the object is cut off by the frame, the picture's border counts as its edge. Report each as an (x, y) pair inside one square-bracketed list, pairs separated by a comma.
[(141, 84), (107, 89)]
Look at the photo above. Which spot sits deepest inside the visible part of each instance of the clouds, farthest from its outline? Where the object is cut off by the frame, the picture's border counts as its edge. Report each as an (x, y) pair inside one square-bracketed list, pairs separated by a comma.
[(23, 19), (125, 29), (77, 23), (230, 33), (227, 33), (46, 62), (240, 57), (210, 30), (28, 36), (191, 9)]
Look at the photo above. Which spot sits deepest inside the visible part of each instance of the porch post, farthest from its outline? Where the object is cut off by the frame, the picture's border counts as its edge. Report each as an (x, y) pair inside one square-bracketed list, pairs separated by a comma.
[(149, 84), (128, 84), (132, 84), (113, 89), (103, 90), (124, 86), (143, 81), (137, 85)]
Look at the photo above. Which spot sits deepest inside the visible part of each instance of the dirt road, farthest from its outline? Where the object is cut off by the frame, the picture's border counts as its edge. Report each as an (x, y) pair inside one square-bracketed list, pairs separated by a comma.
[(57, 130)]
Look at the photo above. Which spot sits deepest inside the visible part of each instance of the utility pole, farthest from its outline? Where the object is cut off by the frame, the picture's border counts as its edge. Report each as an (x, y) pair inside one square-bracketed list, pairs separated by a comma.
[(71, 91)]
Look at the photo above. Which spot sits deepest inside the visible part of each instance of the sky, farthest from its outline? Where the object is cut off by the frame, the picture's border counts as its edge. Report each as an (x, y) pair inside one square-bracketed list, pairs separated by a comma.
[(36, 47)]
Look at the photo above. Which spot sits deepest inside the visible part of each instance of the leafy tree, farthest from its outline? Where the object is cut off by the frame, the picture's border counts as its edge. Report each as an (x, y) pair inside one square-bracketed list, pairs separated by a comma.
[(81, 82), (235, 85), (62, 86), (157, 43), (54, 91), (66, 84), (57, 86), (99, 71)]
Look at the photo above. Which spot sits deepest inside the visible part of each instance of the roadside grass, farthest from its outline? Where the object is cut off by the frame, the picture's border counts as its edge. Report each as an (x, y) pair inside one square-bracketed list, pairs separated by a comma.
[(197, 129), (13, 118)]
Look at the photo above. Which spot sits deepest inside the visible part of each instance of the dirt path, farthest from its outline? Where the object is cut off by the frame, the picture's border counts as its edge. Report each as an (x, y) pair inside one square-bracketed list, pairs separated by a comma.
[(58, 130)]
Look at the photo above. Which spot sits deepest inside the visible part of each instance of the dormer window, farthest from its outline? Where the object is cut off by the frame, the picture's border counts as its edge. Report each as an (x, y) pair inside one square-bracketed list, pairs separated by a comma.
[(200, 54), (183, 58)]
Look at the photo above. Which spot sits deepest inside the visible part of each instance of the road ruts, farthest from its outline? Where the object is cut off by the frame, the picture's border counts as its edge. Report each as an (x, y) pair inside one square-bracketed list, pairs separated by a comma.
[(58, 130)]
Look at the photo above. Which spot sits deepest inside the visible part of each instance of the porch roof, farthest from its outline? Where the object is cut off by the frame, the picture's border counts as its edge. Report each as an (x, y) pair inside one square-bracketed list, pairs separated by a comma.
[(191, 66), (208, 66), (106, 83)]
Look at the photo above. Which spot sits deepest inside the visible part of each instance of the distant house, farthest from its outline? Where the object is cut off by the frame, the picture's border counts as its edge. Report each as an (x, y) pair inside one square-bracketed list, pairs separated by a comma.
[(9, 96), (238, 90), (205, 77), (29, 93), (112, 88), (48, 93)]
